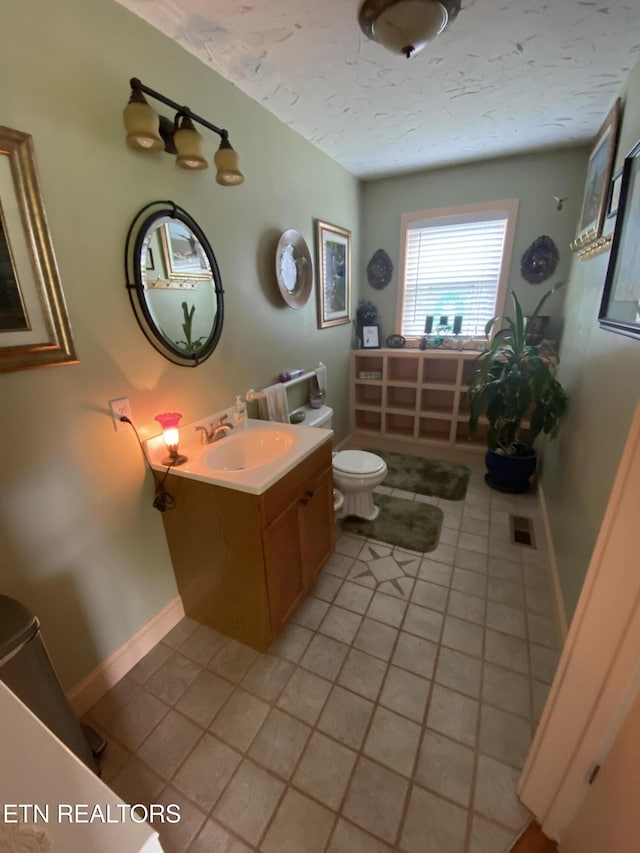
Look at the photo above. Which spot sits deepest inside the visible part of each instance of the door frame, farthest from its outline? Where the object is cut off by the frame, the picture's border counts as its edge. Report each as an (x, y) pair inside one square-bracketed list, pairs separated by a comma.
[(598, 675)]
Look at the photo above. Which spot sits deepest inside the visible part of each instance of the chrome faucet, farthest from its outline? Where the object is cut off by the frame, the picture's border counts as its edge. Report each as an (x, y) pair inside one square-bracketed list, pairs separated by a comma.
[(215, 433)]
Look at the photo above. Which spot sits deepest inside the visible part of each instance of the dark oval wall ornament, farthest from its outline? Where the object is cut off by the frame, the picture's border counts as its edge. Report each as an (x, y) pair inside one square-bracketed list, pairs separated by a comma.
[(395, 341), (540, 260), (379, 269)]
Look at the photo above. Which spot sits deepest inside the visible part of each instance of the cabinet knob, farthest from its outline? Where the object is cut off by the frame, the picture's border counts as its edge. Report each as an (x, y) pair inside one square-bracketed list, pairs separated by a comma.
[(308, 494)]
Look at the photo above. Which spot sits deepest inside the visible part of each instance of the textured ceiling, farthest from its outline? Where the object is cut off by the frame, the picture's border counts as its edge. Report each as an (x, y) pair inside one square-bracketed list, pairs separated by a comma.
[(506, 76)]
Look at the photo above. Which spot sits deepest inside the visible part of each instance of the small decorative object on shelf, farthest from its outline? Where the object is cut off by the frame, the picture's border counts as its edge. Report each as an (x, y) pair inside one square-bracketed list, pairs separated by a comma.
[(540, 260), (396, 341), (371, 337), (367, 317), (288, 375), (428, 324), (367, 312), (379, 269)]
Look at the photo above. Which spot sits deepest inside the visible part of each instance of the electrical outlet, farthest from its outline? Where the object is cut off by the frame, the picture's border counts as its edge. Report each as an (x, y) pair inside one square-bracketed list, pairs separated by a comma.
[(120, 408)]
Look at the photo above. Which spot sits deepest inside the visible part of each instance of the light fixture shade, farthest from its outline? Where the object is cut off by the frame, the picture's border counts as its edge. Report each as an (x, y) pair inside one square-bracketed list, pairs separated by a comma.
[(405, 26), (227, 165), (188, 144), (141, 122), (169, 422)]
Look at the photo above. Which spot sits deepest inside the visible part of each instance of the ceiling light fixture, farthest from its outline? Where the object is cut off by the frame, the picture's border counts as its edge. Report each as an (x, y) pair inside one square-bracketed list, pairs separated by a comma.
[(406, 26), (147, 131)]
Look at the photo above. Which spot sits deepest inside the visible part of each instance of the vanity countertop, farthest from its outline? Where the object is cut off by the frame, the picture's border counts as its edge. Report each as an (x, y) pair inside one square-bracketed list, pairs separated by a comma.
[(248, 459)]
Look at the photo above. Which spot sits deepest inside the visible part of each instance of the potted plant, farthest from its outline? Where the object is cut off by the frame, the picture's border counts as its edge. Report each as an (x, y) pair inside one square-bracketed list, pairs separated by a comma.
[(515, 388)]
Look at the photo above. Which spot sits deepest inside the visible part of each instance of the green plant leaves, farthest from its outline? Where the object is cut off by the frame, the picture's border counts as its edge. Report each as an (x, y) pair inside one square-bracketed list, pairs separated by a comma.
[(514, 383)]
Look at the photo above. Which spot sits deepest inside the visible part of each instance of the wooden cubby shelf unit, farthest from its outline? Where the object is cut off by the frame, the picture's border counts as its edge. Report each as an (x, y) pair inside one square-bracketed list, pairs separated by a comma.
[(414, 396)]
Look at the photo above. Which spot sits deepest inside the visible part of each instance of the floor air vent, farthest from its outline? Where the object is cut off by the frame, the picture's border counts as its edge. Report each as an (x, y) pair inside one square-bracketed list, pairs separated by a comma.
[(522, 531)]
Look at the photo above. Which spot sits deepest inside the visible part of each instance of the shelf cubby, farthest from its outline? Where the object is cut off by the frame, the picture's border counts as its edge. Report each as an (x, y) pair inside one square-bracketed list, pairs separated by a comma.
[(368, 395), (437, 400), (414, 396), (435, 429), (401, 369), (397, 424), (440, 371), (401, 397), (369, 421)]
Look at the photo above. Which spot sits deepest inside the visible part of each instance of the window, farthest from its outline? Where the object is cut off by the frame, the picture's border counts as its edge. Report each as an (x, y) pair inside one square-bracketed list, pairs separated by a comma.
[(455, 263)]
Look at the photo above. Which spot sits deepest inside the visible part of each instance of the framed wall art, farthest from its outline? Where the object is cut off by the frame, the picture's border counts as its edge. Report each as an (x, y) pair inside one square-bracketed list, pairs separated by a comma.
[(620, 306), (34, 326), (589, 240), (333, 251), (371, 337)]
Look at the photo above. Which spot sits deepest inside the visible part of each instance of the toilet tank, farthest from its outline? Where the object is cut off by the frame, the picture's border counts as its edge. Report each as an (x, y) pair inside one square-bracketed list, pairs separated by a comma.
[(321, 417)]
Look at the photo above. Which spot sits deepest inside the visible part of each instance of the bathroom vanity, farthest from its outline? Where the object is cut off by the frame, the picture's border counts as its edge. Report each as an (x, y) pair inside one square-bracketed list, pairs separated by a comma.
[(247, 544)]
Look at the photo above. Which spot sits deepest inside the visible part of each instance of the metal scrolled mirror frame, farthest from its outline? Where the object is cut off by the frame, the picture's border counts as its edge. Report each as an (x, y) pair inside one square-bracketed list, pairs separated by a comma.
[(176, 296)]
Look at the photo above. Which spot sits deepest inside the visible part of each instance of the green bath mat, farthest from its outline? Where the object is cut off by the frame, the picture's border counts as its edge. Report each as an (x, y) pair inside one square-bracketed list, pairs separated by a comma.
[(406, 524), (425, 476)]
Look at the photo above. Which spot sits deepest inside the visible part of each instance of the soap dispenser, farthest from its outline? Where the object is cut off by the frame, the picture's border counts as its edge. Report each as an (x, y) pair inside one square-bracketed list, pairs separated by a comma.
[(239, 412)]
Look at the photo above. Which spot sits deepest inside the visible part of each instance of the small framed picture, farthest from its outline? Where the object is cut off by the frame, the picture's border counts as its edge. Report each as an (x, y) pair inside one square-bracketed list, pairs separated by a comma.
[(371, 337)]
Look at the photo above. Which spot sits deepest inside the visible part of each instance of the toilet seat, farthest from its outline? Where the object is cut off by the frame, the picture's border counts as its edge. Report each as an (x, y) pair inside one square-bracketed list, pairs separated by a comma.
[(358, 463)]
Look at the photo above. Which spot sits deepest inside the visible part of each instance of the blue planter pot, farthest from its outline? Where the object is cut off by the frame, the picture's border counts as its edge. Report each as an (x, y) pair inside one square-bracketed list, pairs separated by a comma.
[(510, 473)]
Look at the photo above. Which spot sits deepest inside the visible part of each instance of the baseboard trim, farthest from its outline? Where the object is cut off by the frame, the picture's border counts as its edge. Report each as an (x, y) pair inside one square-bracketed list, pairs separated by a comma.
[(560, 612), (101, 679)]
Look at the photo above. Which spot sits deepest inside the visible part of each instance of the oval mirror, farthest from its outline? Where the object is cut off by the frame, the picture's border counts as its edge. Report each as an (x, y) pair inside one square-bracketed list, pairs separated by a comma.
[(174, 283)]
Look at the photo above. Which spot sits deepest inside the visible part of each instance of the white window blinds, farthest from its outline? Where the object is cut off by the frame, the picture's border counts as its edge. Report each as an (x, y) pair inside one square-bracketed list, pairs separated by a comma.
[(452, 267)]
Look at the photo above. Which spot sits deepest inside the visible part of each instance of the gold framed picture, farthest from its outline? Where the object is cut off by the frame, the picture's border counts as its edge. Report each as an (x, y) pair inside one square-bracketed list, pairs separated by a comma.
[(34, 325), (333, 250), (589, 240)]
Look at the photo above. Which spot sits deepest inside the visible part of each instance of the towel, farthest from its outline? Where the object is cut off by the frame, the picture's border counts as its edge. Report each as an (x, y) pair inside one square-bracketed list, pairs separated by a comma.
[(272, 404), (321, 376)]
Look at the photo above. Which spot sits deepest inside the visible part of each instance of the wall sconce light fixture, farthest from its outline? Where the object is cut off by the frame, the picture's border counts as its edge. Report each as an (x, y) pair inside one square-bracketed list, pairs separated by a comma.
[(148, 132), (406, 26), (169, 423)]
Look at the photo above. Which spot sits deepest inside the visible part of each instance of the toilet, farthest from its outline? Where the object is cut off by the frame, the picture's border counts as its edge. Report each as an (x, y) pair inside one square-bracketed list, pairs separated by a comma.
[(356, 473)]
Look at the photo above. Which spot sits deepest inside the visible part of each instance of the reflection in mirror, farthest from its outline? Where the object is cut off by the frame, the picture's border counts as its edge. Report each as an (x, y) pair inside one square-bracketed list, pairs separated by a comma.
[(176, 291)]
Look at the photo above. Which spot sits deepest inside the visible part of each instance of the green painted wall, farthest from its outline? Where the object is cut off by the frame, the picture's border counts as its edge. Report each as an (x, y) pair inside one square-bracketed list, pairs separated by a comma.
[(601, 372), (79, 541), (534, 179)]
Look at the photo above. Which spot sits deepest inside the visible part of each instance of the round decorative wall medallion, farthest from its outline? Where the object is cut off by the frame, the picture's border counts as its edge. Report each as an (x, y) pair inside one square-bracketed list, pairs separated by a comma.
[(294, 272), (379, 269), (540, 260)]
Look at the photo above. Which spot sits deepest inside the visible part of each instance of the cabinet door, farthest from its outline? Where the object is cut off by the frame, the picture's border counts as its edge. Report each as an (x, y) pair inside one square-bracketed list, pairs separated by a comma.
[(317, 530), (283, 565)]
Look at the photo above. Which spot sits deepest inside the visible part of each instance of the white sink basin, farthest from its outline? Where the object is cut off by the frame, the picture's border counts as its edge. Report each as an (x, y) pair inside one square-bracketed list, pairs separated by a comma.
[(248, 449), (248, 459)]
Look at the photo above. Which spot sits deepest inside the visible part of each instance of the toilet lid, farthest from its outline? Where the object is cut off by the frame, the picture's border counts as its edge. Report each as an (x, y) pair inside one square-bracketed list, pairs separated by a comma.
[(357, 462)]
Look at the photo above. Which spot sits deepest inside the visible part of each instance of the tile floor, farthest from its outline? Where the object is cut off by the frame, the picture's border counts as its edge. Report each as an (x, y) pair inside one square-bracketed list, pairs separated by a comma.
[(394, 713)]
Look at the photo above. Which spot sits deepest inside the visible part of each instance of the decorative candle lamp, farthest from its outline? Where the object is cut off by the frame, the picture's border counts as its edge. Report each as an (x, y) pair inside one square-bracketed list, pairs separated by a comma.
[(169, 423)]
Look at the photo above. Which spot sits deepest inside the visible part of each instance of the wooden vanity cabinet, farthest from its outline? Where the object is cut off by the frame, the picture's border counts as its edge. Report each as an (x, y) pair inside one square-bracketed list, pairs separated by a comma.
[(243, 562)]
